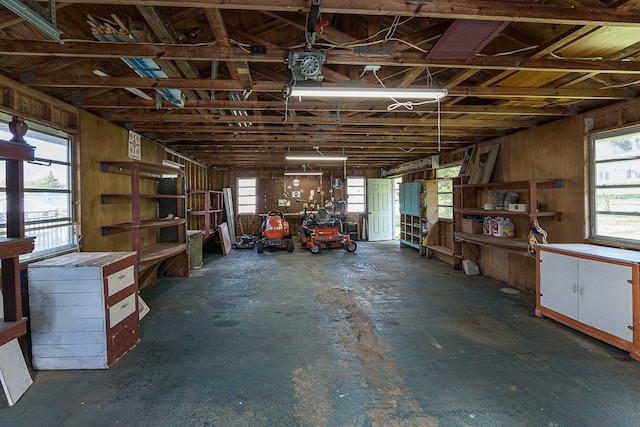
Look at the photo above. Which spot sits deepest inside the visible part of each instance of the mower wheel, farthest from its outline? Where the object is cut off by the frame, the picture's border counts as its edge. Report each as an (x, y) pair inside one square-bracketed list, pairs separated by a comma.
[(315, 249), (289, 245), (350, 246), (259, 246)]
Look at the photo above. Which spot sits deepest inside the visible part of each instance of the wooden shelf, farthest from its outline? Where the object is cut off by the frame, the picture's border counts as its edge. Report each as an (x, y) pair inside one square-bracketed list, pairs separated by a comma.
[(104, 198), (206, 212), (515, 184), (148, 223), (14, 246), (510, 243), (440, 249), (171, 212), (15, 151), (157, 252), (145, 169), (484, 212), (12, 330)]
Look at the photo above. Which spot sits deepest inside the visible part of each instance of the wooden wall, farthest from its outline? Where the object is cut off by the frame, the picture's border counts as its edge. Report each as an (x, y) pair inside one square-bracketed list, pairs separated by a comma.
[(555, 151), (96, 140), (99, 141), (272, 184)]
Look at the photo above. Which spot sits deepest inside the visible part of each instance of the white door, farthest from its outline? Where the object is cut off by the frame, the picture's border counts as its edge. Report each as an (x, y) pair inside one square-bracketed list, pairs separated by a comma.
[(606, 297), (380, 204), (559, 283)]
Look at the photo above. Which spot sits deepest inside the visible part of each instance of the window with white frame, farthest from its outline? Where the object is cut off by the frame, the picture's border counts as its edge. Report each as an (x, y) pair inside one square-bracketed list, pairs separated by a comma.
[(615, 186), (356, 200), (445, 190), (247, 195), (48, 213)]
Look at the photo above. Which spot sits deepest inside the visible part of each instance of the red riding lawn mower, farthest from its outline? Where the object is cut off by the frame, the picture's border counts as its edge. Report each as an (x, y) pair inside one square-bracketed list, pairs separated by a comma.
[(274, 233), (324, 231)]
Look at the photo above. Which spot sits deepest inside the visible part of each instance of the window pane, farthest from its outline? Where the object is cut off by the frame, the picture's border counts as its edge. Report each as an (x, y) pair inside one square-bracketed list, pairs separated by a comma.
[(356, 190), (54, 237), (626, 227), (445, 199), (615, 189), (617, 147), (43, 176), (47, 197), (246, 182), (246, 191), (445, 212), (356, 182), (355, 199), (623, 172), (445, 186), (48, 147), (46, 206), (246, 200), (356, 208)]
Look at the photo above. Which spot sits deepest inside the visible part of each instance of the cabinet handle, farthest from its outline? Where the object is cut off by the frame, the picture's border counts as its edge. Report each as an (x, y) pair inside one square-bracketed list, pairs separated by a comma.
[(575, 288), (581, 290), (122, 276)]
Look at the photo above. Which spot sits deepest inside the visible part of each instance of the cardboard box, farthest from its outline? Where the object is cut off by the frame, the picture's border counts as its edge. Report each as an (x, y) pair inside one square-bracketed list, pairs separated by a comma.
[(471, 226), (518, 207)]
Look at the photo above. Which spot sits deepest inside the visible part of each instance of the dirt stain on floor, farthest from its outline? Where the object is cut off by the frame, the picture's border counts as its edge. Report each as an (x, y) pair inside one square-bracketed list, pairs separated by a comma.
[(350, 311)]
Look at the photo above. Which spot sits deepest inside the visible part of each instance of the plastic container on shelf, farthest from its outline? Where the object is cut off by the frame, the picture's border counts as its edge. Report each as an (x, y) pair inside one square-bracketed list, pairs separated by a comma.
[(508, 229), (487, 226), (498, 227)]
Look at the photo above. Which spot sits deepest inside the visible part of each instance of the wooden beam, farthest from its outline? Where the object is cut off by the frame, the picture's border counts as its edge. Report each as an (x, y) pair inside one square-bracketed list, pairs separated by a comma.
[(172, 83), (453, 9), (75, 49)]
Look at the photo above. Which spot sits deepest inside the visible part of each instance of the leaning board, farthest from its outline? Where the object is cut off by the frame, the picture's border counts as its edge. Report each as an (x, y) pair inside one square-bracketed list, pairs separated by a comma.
[(14, 374)]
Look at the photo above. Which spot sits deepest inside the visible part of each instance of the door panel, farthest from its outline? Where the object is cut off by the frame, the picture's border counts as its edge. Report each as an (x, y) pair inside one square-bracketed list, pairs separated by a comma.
[(380, 204), (558, 284), (606, 297)]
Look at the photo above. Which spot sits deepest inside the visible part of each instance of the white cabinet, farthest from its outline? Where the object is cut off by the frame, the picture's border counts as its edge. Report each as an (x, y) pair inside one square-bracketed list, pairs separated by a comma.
[(84, 309), (593, 289)]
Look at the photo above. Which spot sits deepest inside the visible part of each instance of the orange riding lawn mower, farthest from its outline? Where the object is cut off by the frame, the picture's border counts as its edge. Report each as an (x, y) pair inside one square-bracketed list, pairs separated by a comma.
[(274, 233), (324, 231)]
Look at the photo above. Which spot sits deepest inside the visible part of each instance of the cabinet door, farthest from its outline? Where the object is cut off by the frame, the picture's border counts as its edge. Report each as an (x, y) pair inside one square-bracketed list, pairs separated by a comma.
[(605, 297), (559, 283)]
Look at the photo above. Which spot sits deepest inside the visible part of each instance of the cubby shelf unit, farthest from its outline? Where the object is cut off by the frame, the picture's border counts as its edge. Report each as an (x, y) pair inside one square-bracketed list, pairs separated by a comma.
[(209, 208), (154, 253)]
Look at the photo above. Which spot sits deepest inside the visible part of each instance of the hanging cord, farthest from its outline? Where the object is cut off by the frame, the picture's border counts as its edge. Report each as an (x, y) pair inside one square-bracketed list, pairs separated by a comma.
[(406, 104), (286, 94), (438, 125), (534, 232)]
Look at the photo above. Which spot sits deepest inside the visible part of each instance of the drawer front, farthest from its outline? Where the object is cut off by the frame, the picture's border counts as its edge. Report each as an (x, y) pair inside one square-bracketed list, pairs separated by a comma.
[(122, 309), (120, 280)]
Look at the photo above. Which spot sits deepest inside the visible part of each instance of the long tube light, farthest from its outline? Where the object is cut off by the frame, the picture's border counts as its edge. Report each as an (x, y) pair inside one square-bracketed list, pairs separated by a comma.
[(303, 173), (368, 92), (34, 19), (317, 158)]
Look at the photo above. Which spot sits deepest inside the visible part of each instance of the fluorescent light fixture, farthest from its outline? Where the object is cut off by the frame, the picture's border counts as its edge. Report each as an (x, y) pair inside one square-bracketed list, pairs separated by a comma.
[(34, 18), (303, 173), (368, 92), (317, 158)]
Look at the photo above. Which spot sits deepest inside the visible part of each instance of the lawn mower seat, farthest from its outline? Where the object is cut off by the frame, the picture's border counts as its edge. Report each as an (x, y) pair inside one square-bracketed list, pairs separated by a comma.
[(323, 218)]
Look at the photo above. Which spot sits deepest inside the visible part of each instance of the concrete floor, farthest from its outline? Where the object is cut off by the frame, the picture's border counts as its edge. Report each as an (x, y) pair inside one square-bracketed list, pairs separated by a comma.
[(381, 337)]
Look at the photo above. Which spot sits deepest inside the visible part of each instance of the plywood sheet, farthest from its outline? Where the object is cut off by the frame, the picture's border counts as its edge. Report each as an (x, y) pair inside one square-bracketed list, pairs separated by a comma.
[(13, 371), (483, 164), (225, 239)]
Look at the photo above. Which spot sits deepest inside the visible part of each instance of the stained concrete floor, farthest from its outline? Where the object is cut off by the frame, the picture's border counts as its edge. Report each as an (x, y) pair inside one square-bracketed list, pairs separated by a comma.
[(381, 337)]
